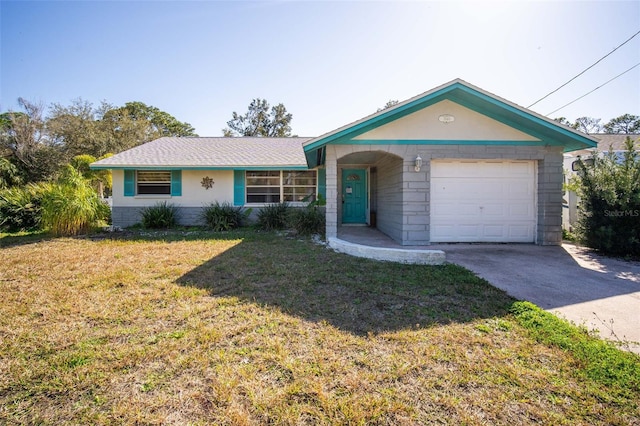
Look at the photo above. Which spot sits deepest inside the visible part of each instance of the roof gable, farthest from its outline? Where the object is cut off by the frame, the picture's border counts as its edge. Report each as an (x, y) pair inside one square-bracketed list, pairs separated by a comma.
[(458, 123), (539, 130)]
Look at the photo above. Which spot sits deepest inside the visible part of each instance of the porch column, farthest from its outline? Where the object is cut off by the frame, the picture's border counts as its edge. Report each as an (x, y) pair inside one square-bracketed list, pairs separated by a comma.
[(550, 198), (331, 211)]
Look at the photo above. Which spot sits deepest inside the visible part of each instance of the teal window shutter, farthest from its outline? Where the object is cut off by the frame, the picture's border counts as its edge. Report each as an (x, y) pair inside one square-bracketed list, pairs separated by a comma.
[(176, 183), (322, 183), (129, 183), (238, 187)]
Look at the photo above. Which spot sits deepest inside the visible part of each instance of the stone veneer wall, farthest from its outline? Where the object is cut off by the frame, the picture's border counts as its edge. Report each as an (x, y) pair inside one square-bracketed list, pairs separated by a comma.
[(390, 202), (406, 217), (124, 217)]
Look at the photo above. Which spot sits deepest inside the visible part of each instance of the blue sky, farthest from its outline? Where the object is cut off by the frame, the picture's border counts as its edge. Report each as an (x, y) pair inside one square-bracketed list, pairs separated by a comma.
[(329, 63)]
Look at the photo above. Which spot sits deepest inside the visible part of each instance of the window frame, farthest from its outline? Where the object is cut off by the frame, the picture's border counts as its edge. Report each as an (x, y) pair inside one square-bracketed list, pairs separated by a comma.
[(153, 183), (281, 185)]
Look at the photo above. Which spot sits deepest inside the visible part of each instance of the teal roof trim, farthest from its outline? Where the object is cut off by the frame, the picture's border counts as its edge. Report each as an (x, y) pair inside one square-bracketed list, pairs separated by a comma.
[(526, 122), (549, 132), (196, 168), (436, 142)]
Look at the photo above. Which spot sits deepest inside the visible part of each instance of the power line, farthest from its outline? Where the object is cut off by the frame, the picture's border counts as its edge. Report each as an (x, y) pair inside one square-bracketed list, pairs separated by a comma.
[(588, 93), (587, 69)]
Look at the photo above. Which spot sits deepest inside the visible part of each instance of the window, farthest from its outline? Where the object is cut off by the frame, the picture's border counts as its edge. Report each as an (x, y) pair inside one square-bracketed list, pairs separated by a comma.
[(153, 182), (263, 187), (281, 186), (299, 186)]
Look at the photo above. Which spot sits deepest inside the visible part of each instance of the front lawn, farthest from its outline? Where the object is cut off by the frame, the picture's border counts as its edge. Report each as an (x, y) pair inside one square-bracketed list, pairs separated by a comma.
[(187, 327)]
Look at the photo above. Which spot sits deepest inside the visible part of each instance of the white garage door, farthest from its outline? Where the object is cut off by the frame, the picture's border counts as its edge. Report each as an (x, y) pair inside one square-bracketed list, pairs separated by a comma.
[(483, 201)]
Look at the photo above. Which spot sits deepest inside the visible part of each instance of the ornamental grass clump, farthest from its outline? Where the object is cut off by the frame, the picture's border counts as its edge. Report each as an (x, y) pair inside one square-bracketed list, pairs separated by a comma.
[(223, 216), (71, 206), (310, 220), (159, 216), (273, 217)]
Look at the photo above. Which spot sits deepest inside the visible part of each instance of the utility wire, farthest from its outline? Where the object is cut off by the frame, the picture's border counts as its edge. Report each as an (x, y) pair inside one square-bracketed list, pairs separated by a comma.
[(587, 69), (588, 93)]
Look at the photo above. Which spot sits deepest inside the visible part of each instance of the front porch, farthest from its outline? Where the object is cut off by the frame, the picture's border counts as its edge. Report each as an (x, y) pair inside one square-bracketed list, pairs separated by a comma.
[(370, 243)]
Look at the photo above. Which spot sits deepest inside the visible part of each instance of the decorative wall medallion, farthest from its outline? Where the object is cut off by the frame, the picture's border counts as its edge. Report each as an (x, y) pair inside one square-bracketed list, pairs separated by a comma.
[(446, 118), (207, 182)]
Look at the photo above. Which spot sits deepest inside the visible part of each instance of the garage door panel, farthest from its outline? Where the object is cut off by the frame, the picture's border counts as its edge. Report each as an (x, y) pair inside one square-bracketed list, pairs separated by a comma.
[(444, 232), (467, 231), (524, 169), (523, 232), (521, 211), (493, 231), (520, 191), (482, 201), (493, 211)]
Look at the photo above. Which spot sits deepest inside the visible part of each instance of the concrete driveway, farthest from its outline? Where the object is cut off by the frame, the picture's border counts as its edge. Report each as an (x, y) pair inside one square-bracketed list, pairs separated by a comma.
[(582, 287)]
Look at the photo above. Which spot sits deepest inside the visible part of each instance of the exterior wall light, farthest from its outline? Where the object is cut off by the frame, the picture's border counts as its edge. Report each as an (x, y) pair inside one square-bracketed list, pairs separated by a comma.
[(418, 163)]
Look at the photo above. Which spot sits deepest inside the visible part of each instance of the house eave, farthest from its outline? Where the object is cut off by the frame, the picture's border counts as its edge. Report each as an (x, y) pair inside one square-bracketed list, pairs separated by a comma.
[(186, 167), (546, 130)]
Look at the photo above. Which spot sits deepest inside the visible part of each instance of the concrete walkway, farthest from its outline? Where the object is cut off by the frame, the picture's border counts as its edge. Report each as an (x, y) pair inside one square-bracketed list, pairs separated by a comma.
[(598, 292), (601, 293)]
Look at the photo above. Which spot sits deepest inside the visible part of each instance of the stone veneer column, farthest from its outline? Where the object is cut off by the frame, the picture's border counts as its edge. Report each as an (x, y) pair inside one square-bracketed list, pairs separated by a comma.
[(415, 220), (331, 210), (550, 197)]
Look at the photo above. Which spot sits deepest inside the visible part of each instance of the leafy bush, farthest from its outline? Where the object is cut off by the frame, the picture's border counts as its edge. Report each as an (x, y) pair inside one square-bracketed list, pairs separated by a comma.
[(307, 221), (609, 192), (160, 215), (9, 174), (71, 206), (20, 207), (273, 216), (223, 216)]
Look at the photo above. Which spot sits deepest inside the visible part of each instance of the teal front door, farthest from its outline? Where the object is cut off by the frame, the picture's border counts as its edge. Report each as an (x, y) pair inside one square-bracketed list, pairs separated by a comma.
[(354, 196)]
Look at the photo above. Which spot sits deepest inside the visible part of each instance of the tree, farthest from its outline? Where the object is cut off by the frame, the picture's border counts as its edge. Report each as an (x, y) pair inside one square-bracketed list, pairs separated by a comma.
[(609, 191), (136, 123), (159, 123), (76, 129), (389, 104), (81, 129), (24, 140), (260, 120), (588, 125), (563, 120), (626, 123), (99, 179)]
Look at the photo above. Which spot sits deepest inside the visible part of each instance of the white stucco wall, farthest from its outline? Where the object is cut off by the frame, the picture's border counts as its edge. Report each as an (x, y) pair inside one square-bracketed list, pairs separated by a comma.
[(425, 124), (193, 194)]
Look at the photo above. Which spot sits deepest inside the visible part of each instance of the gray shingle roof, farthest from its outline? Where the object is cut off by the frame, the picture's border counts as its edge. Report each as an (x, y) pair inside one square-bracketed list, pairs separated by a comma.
[(215, 152), (616, 141)]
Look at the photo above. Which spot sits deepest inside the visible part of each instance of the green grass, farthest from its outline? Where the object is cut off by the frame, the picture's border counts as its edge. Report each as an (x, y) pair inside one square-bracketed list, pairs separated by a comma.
[(192, 327)]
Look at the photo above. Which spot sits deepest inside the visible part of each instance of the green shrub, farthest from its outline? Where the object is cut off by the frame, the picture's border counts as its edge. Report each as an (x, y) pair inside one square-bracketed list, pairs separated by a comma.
[(223, 216), (307, 221), (160, 215), (20, 208), (609, 191), (273, 216), (9, 174), (71, 206)]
